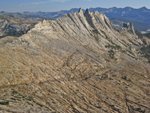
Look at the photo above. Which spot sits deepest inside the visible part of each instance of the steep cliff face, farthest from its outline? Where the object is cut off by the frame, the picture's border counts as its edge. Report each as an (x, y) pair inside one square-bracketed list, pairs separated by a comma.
[(77, 63)]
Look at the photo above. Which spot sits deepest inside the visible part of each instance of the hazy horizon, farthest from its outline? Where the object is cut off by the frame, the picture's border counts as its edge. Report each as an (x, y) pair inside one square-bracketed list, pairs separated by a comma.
[(68, 9), (57, 5)]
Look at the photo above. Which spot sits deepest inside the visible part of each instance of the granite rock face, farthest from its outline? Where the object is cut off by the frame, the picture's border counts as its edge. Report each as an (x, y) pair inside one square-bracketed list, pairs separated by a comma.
[(75, 64), (7, 29), (15, 26)]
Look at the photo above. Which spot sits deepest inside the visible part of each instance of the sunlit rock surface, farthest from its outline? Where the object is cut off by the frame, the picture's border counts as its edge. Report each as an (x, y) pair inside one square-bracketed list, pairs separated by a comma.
[(75, 64)]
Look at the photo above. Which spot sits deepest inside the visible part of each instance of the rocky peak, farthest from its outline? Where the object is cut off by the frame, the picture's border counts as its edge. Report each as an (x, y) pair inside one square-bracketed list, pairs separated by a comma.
[(87, 24), (80, 11), (87, 11), (88, 20), (130, 27), (88, 14)]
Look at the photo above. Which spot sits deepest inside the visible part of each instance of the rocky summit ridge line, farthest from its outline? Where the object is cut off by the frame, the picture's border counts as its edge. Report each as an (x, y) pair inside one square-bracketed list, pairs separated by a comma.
[(76, 64)]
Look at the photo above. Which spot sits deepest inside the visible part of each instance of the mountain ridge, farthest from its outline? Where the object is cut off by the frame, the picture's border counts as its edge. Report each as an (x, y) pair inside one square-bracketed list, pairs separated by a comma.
[(116, 15), (76, 63)]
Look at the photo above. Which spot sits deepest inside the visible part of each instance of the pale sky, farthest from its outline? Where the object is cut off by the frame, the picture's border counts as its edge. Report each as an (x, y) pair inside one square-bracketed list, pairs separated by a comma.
[(56, 5)]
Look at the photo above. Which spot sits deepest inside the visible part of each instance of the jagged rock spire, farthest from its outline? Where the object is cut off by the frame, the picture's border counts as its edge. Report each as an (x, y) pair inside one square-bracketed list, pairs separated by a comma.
[(80, 11), (130, 27), (87, 11)]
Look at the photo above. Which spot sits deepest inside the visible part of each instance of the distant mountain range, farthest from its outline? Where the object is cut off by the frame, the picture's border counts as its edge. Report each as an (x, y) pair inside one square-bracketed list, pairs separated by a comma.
[(139, 17)]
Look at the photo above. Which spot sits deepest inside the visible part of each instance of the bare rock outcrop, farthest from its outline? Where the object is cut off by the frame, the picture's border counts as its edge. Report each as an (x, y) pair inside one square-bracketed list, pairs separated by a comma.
[(129, 26), (75, 64), (15, 26)]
